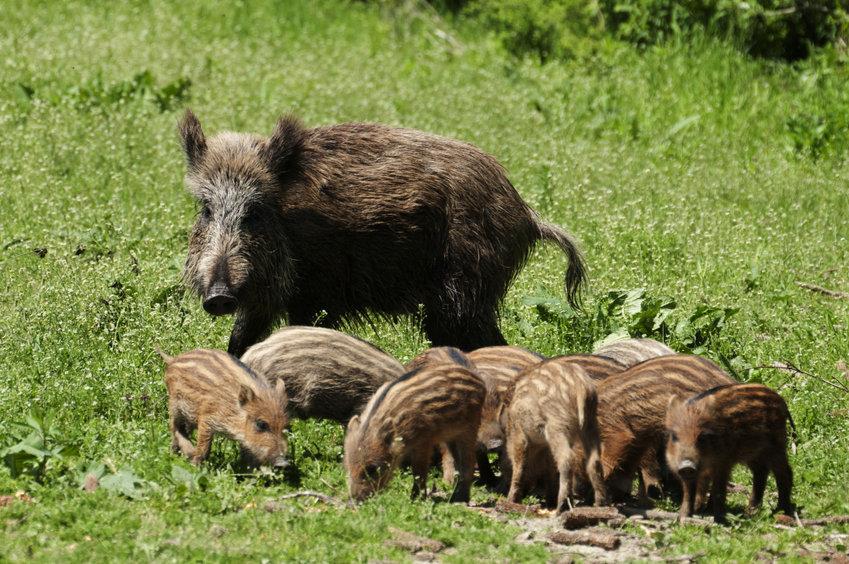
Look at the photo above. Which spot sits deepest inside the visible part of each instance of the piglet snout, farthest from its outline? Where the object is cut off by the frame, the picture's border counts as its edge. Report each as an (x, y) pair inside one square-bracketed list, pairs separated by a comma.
[(281, 463), (687, 469)]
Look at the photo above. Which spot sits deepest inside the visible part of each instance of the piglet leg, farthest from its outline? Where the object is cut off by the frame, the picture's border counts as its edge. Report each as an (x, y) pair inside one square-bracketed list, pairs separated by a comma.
[(204, 442)]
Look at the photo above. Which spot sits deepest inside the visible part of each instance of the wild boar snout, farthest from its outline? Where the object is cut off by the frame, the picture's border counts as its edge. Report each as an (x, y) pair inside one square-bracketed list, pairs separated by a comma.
[(687, 469), (219, 300)]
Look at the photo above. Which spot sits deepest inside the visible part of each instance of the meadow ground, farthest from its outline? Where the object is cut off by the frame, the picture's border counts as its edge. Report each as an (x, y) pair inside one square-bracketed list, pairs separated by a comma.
[(712, 182)]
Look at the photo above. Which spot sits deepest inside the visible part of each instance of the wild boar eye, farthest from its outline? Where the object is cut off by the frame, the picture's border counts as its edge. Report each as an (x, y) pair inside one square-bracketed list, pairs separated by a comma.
[(673, 437), (205, 213), (251, 221), (261, 426)]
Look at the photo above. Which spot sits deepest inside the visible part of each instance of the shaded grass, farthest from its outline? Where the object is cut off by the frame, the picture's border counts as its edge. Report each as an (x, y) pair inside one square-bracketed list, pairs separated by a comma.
[(677, 168)]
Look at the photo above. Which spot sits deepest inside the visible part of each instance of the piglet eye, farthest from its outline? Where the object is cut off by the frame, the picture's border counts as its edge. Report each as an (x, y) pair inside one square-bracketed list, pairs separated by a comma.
[(673, 437), (261, 426)]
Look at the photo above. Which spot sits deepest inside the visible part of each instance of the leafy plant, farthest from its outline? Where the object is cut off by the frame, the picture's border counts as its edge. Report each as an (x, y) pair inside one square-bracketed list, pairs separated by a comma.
[(35, 445), (141, 85), (123, 482)]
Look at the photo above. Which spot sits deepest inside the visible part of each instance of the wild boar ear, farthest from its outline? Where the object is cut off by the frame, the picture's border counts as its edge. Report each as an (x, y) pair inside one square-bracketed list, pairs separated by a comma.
[(192, 138), (354, 424), (672, 405), (280, 390), (284, 146), (245, 395)]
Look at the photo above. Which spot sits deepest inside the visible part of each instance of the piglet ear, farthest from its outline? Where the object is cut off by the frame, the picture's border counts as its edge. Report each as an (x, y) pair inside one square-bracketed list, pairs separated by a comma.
[(283, 148), (673, 404), (192, 138), (246, 395), (354, 424), (280, 390)]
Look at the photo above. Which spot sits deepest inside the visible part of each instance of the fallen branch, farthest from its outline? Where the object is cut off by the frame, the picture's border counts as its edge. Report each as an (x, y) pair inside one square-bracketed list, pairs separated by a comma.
[(787, 520), (789, 368), (836, 294), (600, 539), (581, 517)]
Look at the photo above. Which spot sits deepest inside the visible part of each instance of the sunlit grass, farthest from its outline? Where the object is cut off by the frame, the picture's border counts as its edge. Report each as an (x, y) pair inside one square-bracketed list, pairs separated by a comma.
[(680, 169)]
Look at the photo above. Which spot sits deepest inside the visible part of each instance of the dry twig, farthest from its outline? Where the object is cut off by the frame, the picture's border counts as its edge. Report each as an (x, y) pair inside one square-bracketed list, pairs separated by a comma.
[(790, 369), (836, 294), (787, 520)]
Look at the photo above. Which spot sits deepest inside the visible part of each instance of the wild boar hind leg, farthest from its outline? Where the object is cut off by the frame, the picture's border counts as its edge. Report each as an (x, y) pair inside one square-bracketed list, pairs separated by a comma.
[(180, 432), (517, 451), (760, 472), (561, 451), (445, 327), (784, 482)]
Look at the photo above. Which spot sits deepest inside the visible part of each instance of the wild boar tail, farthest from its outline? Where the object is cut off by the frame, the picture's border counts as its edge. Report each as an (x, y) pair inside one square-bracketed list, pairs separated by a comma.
[(165, 357), (794, 436), (576, 273)]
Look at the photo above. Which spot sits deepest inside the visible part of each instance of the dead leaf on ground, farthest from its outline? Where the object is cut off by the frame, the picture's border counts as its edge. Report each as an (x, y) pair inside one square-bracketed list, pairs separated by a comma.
[(91, 483)]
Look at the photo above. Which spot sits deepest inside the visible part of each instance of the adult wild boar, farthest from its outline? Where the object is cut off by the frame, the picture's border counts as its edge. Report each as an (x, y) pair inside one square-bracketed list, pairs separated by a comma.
[(355, 219)]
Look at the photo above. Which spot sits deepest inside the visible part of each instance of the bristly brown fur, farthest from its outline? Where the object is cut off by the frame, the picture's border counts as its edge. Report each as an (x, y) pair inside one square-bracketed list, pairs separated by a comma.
[(710, 433), (358, 219), (213, 392), (552, 410), (632, 412), (406, 419), (633, 351), (440, 355), (328, 374)]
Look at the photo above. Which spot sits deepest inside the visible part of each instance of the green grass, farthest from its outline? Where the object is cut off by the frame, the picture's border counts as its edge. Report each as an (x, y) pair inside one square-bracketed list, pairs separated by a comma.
[(687, 170)]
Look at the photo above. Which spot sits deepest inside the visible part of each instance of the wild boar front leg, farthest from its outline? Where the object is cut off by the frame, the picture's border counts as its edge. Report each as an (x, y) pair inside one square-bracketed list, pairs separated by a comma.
[(448, 463), (248, 328), (688, 493), (463, 450), (649, 477), (484, 467), (204, 442), (420, 463), (719, 491), (784, 481), (702, 489)]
